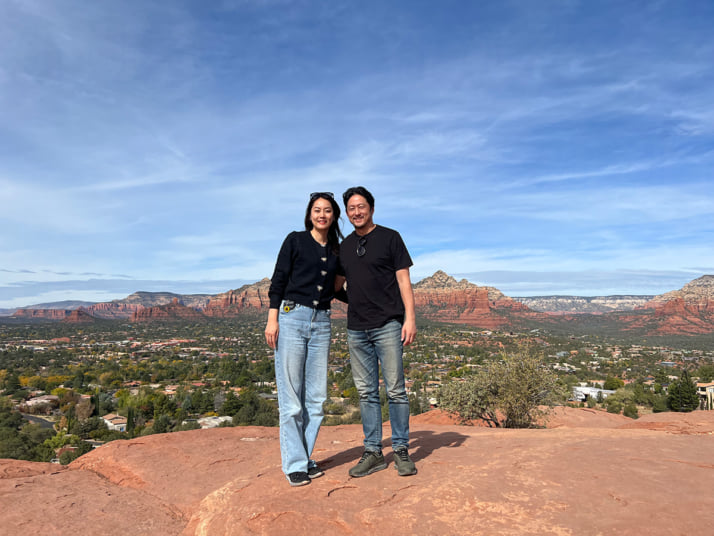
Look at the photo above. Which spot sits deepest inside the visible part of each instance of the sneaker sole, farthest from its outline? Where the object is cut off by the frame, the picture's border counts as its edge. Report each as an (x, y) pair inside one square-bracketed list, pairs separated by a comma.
[(372, 470), (315, 475), (405, 474), (298, 484)]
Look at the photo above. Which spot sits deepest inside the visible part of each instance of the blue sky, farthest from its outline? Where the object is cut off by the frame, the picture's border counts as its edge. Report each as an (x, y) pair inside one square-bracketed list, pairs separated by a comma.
[(550, 147)]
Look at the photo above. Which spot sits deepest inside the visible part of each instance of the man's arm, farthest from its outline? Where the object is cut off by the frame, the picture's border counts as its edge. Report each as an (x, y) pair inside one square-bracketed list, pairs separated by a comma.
[(340, 291), (409, 329)]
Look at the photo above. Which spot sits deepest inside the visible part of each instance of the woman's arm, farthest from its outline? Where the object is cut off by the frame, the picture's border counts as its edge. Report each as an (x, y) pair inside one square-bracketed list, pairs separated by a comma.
[(272, 329)]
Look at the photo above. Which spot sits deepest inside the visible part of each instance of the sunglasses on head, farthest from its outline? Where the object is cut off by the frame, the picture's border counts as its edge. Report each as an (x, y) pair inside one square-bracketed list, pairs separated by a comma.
[(315, 195)]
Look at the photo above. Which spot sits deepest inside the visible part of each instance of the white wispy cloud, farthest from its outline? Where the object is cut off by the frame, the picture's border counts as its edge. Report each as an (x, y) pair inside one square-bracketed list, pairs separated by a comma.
[(179, 142)]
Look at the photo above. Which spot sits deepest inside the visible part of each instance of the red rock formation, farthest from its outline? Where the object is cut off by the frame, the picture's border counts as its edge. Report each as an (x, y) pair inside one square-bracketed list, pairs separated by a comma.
[(166, 313), (688, 311), (617, 476), (440, 297), (248, 298), (113, 310), (44, 314), (78, 316)]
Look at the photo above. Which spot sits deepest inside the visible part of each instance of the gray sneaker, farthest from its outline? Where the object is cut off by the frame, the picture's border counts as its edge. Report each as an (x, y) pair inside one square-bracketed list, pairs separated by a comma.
[(403, 463), (369, 463)]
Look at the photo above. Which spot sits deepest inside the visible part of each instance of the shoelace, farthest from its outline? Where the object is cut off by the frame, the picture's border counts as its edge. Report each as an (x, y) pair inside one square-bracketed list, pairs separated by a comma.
[(402, 454)]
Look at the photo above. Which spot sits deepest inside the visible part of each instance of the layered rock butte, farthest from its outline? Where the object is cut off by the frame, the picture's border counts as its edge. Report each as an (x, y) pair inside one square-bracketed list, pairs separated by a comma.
[(588, 473), (441, 298)]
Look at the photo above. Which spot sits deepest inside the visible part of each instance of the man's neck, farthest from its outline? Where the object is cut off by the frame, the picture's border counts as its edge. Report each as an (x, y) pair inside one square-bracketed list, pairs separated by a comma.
[(362, 231)]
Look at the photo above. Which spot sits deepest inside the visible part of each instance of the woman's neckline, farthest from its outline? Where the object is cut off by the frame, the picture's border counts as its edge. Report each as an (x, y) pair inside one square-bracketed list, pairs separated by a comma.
[(320, 242)]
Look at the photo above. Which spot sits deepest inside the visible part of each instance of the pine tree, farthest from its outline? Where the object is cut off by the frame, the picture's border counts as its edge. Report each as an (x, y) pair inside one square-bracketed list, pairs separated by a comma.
[(130, 420), (683, 394)]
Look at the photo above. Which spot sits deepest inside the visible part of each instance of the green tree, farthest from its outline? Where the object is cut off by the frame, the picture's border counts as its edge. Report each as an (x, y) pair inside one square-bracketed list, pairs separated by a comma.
[(706, 373), (659, 403), (162, 424), (682, 394), (613, 384), (231, 405), (12, 384), (70, 455), (130, 420)]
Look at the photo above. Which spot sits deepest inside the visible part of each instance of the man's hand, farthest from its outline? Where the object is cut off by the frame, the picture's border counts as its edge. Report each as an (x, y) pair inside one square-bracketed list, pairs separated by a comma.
[(409, 332), (409, 329)]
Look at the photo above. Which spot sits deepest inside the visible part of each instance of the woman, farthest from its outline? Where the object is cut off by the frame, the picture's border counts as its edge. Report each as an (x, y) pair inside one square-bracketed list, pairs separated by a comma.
[(298, 329)]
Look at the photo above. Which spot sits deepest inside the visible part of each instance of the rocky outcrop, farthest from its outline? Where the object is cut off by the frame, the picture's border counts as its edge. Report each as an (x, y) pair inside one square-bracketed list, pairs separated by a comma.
[(674, 317), (440, 297), (248, 298), (126, 307), (41, 314), (583, 304), (113, 310), (167, 313), (688, 311), (78, 316), (588, 473), (698, 291)]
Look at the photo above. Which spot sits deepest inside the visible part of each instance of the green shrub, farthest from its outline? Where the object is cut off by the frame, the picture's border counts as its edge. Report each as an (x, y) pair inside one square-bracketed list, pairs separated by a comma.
[(630, 410), (613, 406), (508, 393)]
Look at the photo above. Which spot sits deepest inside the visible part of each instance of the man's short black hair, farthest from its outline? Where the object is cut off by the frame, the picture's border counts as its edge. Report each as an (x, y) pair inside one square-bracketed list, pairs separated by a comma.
[(358, 190)]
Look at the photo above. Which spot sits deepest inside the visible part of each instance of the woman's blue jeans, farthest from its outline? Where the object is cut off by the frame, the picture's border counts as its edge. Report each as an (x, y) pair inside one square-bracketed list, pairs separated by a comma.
[(368, 350), (301, 378)]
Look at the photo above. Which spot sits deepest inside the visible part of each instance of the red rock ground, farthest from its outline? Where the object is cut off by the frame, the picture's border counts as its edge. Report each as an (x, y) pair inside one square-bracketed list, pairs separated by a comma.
[(590, 473)]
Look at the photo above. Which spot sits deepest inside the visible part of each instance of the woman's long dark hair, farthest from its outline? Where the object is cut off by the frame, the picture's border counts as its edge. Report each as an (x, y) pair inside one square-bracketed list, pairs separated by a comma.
[(334, 235)]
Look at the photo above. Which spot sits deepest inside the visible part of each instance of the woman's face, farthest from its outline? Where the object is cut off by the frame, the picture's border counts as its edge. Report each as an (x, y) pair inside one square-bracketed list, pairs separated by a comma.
[(321, 214)]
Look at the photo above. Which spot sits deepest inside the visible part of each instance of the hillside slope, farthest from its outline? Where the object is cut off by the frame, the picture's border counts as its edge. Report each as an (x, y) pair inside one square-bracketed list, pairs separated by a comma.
[(588, 474)]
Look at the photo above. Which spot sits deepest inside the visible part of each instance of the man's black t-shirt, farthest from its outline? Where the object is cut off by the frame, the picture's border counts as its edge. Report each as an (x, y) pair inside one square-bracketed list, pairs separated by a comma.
[(372, 288)]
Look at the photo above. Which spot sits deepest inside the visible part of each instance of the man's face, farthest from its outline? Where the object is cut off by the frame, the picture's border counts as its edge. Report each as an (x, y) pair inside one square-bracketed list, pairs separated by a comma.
[(359, 212)]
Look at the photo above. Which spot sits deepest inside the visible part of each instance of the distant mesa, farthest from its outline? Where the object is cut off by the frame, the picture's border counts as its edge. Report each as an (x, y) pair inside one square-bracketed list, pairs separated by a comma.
[(44, 314), (441, 298), (170, 312)]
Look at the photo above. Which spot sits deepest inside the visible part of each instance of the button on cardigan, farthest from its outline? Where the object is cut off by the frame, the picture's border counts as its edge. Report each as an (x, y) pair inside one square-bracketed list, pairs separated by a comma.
[(304, 272)]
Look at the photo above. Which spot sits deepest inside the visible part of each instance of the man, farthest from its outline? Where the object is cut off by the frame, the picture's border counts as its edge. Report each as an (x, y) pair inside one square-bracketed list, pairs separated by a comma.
[(380, 321)]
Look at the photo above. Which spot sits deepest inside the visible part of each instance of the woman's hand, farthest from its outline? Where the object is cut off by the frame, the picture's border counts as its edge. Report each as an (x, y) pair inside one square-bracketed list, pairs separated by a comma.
[(272, 329)]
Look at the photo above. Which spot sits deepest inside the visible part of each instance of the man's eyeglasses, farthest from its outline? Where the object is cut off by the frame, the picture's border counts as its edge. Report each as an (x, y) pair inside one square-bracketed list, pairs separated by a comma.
[(360, 246), (315, 195)]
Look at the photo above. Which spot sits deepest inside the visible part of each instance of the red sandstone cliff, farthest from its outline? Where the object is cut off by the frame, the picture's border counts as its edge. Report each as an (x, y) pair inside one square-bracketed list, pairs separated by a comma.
[(113, 310), (687, 311), (166, 313), (78, 316), (589, 473), (45, 314), (126, 307), (248, 298), (442, 298)]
